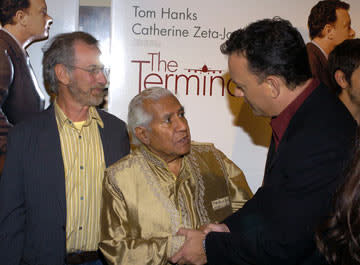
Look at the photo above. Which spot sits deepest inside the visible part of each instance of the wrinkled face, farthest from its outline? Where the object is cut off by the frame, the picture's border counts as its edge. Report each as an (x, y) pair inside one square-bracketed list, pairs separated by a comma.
[(37, 20), (354, 89), (87, 82), (342, 27), (248, 86), (168, 133)]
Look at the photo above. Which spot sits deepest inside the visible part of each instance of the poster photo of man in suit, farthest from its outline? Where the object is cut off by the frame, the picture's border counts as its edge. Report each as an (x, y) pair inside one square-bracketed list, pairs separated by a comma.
[(22, 23)]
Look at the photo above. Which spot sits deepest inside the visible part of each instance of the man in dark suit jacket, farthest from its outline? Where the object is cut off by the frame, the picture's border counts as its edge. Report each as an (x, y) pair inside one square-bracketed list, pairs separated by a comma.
[(312, 139), (23, 22), (329, 24), (50, 191)]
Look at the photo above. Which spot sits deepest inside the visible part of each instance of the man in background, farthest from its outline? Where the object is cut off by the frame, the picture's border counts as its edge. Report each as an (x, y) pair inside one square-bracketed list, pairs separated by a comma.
[(50, 190), (329, 24), (23, 22), (312, 140), (166, 183), (344, 62)]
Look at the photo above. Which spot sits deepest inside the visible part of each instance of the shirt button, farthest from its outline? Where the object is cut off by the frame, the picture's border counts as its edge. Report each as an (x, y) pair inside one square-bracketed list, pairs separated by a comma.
[(80, 228), (81, 167), (79, 136), (82, 198)]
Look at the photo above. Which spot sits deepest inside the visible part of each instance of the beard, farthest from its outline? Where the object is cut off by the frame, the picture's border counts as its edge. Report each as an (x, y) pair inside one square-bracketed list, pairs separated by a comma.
[(93, 96)]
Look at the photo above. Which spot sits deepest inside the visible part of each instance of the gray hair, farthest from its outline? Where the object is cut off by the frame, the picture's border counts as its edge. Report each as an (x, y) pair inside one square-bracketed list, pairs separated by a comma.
[(137, 115), (60, 50)]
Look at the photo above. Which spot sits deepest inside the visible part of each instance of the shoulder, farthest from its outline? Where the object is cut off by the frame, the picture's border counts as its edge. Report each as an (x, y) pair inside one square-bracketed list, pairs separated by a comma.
[(4, 40), (327, 110), (37, 122), (322, 120), (123, 168), (199, 147), (3, 45), (110, 119), (9, 44), (5, 50), (314, 53), (205, 151), (312, 48)]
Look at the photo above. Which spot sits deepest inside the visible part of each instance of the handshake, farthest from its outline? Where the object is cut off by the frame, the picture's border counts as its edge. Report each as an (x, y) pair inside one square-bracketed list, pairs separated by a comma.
[(193, 249)]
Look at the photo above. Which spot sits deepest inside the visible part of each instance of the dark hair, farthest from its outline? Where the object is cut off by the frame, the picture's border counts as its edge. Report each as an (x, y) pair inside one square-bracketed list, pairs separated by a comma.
[(8, 9), (324, 12), (271, 47), (345, 57), (339, 237), (60, 50)]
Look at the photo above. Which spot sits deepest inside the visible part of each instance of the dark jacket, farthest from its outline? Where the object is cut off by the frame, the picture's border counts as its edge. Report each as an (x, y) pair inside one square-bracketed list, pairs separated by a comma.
[(19, 99), (277, 225), (319, 66)]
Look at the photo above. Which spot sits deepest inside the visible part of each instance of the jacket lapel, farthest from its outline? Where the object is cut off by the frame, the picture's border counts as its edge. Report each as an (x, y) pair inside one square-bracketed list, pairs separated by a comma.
[(51, 148)]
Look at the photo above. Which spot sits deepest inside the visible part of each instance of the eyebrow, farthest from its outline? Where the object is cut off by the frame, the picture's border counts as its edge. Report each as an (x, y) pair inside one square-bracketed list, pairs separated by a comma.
[(169, 114)]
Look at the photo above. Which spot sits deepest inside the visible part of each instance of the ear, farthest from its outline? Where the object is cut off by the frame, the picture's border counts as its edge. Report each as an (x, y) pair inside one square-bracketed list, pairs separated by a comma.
[(340, 79), (20, 17), (274, 83), (328, 31), (142, 134), (62, 74)]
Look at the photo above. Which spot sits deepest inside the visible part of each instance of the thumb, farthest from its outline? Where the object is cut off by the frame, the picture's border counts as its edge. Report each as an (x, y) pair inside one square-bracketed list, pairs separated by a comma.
[(182, 232)]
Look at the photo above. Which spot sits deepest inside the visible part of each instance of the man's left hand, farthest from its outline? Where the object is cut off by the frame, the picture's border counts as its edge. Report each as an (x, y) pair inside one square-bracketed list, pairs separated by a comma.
[(192, 252)]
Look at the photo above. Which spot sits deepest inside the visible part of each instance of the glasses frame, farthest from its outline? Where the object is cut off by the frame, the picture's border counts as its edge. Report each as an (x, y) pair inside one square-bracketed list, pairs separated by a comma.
[(94, 71)]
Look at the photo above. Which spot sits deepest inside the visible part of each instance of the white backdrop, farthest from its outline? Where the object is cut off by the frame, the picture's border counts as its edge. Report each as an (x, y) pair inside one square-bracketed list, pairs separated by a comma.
[(185, 46)]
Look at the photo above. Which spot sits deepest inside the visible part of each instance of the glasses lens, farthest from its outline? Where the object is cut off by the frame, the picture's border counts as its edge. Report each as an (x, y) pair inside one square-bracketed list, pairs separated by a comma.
[(106, 72)]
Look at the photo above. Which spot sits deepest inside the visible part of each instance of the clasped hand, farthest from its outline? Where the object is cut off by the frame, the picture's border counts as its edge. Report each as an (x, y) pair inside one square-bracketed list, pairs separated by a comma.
[(192, 251)]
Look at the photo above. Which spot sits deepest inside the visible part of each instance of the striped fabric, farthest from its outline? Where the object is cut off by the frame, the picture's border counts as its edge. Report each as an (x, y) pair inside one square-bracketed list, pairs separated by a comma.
[(84, 165)]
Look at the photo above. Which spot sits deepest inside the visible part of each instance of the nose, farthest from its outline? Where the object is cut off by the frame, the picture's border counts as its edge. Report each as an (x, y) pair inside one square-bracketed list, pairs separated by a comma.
[(352, 33), (102, 78), (49, 20), (181, 124)]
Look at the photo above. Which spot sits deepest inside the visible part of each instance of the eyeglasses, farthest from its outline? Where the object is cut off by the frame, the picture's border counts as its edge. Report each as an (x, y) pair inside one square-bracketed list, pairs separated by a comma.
[(94, 71)]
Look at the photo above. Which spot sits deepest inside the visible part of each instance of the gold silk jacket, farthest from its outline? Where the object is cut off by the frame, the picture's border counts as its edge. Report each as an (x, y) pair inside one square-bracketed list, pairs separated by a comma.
[(145, 204)]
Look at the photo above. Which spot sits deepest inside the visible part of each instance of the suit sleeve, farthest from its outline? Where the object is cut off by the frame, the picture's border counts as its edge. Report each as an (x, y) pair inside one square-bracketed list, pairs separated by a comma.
[(12, 203), (121, 240), (277, 225)]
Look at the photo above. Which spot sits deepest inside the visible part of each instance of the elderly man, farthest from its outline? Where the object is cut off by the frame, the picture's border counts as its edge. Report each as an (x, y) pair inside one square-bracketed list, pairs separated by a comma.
[(50, 191), (329, 24), (23, 22), (344, 65), (312, 139), (166, 183)]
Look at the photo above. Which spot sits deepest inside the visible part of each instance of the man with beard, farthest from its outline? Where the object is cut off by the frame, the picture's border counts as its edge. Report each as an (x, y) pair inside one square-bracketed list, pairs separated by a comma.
[(50, 191), (23, 22), (165, 183)]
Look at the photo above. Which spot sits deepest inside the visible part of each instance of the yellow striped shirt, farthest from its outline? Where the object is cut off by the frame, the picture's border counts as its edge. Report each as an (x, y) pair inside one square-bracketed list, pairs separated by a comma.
[(84, 165)]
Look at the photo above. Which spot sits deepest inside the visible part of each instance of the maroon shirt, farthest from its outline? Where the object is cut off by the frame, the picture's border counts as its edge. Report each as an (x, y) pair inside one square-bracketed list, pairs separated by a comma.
[(280, 123)]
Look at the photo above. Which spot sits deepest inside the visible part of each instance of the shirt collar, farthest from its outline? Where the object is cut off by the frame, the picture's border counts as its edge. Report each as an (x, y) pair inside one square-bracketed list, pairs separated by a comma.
[(155, 159), (280, 123), (62, 118), (321, 49)]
